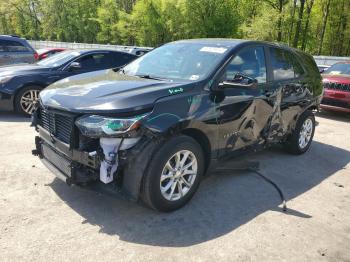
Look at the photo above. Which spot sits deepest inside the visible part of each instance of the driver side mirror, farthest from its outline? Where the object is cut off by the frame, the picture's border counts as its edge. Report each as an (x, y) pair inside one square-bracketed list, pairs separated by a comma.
[(74, 66)]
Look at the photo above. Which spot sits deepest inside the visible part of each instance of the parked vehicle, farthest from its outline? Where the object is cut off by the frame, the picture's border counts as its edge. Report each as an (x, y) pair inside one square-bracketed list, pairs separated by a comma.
[(323, 68), (153, 129), (20, 84), (47, 52), (336, 82), (16, 50), (139, 51)]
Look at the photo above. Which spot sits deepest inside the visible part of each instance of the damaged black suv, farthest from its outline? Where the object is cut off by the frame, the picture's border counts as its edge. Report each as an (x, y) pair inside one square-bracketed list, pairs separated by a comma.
[(156, 126)]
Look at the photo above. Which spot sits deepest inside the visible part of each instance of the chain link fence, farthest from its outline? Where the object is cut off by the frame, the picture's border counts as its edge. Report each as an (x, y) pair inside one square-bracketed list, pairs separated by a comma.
[(52, 44), (329, 60)]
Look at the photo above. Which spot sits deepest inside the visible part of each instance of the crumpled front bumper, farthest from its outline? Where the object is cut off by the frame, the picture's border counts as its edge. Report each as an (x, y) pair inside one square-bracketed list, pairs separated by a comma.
[(69, 165)]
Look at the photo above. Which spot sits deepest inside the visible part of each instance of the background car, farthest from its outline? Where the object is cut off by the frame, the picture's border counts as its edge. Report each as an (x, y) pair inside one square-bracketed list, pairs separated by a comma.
[(139, 51), (15, 50), (323, 68), (20, 84), (47, 52), (336, 82)]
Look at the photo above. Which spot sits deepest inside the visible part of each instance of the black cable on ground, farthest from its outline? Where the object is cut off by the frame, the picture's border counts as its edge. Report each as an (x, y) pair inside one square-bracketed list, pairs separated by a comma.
[(284, 201)]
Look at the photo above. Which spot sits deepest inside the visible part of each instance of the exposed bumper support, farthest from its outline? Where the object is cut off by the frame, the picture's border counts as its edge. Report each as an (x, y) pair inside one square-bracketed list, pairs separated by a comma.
[(55, 170), (66, 169)]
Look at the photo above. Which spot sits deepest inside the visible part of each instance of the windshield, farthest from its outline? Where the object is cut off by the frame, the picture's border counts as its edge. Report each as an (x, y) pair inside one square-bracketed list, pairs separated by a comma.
[(339, 69), (59, 58), (180, 61)]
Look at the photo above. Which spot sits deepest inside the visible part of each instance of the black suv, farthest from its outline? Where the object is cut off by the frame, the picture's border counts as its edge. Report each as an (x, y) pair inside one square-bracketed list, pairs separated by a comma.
[(155, 127), (16, 50)]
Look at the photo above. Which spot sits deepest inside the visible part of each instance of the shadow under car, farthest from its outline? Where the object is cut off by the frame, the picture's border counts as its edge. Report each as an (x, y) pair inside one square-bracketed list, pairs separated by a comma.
[(223, 203)]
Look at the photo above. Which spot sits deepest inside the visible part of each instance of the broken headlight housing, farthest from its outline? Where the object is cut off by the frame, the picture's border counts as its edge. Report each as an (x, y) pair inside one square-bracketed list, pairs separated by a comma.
[(101, 126)]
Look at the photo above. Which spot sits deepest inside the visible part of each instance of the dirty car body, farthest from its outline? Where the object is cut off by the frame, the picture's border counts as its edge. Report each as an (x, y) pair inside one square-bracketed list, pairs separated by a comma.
[(104, 130)]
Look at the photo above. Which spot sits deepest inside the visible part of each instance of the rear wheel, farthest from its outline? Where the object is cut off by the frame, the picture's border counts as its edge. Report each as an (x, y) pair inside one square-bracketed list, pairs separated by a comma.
[(301, 138), (26, 99), (174, 174)]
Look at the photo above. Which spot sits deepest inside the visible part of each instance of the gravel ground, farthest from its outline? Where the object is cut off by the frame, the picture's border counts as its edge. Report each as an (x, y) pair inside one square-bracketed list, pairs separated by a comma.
[(233, 217)]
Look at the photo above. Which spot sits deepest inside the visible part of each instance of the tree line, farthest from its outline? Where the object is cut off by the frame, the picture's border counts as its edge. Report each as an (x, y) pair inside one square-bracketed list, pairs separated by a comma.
[(320, 27)]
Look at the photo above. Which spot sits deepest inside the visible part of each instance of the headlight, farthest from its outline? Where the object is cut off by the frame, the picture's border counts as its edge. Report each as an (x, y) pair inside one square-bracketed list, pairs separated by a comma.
[(100, 126), (4, 79)]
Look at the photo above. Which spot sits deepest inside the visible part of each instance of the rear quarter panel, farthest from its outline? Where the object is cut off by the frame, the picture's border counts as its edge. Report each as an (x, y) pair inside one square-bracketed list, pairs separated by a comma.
[(313, 75)]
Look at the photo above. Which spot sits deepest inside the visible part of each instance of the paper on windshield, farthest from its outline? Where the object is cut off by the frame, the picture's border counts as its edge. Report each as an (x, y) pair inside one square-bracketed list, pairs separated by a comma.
[(210, 49)]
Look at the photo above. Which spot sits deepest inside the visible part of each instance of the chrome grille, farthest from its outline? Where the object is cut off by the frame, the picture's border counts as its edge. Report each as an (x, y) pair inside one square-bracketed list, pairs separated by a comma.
[(337, 86), (59, 125)]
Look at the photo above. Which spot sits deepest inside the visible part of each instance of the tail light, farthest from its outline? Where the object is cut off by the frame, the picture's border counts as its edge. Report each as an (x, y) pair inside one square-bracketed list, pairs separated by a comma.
[(36, 56)]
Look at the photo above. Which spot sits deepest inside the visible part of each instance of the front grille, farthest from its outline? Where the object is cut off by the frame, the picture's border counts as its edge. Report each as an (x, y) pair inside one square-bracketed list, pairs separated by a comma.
[(337, 86), (59, 125), (333, 102)]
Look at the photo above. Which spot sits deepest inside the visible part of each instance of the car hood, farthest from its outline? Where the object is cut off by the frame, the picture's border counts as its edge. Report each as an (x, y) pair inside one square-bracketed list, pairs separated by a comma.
[(22, 69), (343, 79), (108, 92)]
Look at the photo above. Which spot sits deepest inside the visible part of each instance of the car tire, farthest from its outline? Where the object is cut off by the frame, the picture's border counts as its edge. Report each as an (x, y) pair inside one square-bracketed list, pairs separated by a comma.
[(167, 188), (25, 99), (301, 138)]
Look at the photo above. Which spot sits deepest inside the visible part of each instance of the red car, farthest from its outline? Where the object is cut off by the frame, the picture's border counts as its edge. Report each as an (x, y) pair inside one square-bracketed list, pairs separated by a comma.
[(336, 82), (46, 52)]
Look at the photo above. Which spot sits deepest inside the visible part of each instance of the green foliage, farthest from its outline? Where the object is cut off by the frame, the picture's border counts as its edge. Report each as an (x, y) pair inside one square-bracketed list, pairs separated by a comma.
[(107, 18), (154, 22)]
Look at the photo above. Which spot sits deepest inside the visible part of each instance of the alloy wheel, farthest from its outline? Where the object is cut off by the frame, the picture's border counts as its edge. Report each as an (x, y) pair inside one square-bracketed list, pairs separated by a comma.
[(305, 133), (178, 175), (28, 100)]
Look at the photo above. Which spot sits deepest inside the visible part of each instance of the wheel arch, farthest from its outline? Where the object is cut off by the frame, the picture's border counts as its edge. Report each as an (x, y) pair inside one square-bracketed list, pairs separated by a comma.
[(142, 154), (201, 138)]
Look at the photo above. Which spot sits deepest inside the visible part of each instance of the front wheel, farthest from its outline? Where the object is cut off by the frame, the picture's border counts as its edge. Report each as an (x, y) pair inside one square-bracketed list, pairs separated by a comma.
[(26, 99), (301, 138), (174, 174)]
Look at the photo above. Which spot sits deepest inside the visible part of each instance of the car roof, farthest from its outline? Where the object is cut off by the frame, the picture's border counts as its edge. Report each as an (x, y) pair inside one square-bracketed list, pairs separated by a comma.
[(12, 37), (54, 48), (213, 41), (231, 43), (51, 49), (85, 51)]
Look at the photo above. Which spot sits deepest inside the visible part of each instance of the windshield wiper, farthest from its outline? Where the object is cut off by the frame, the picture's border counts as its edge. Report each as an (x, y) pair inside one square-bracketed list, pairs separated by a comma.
[(150, 77)]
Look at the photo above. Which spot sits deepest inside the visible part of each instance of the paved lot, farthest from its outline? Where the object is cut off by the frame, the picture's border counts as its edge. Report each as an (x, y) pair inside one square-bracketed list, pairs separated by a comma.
[(233, 217)]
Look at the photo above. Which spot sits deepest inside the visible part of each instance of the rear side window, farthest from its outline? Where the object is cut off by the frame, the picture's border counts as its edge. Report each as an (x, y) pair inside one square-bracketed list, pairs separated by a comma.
[(93, 61), (284, 65), (13, 46), (120, 59), (298, 69)]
